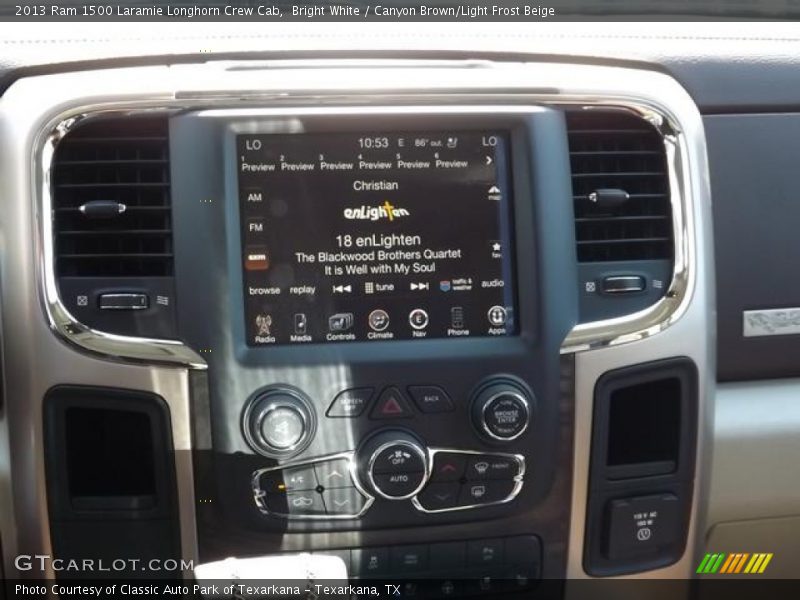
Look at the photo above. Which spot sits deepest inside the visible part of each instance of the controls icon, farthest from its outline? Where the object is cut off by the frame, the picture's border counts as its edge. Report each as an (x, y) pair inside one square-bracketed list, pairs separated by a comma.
[(378, 320), (418, 319), (300, 323), (256, 258), (457, 317), (419, 286), (342, 289), (264, 324), (340, 322), (497, 316)]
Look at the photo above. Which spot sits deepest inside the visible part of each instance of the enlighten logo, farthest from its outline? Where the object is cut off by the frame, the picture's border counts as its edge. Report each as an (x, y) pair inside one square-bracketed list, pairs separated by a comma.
[(734, 563), (373, 213)]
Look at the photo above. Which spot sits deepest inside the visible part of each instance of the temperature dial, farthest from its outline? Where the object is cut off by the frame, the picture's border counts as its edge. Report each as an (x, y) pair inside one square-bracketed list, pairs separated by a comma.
[(394, 463)]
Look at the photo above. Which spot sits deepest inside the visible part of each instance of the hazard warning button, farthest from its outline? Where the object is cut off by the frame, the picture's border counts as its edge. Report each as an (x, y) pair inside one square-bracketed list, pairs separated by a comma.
[(392, 404)]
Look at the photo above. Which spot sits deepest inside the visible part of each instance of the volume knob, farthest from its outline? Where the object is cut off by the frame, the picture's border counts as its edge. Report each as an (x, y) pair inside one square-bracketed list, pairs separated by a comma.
[(501, 410), (279, 422)]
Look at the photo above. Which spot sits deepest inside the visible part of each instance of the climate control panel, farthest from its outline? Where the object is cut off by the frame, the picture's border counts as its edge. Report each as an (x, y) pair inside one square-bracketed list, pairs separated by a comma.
[(394, 466), (394, 462)]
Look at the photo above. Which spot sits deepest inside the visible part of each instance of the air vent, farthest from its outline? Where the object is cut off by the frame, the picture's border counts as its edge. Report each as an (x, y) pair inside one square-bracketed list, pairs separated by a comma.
[(111, 199), (620, 186)]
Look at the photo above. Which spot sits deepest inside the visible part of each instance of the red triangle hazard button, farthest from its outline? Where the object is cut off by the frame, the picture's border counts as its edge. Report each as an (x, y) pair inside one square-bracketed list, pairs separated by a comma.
[(391, 405)]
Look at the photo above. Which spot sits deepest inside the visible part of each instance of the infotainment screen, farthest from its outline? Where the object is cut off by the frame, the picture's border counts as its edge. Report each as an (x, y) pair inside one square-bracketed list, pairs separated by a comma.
[(376, 236)]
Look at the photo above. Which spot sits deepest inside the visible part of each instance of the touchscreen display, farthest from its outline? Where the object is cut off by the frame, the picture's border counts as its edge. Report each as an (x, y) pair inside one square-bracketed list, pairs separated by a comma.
[(375, 236)]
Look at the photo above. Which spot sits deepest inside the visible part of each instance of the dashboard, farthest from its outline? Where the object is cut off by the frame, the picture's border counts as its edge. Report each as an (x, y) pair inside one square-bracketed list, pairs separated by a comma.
[(449, 320)]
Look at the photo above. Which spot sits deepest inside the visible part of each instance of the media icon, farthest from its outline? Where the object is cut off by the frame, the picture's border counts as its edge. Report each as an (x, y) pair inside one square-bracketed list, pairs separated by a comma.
[(457, 317), (378, 320), (300, 323), (340, 322), (418, 319), (497, 316)]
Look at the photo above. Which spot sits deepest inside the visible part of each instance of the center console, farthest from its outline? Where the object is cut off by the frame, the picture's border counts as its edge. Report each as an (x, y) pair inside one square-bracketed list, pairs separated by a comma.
[(398, 286)]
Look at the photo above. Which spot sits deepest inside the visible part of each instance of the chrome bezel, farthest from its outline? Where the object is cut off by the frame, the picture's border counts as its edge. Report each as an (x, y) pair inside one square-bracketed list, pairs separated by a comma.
[(253, 434), (259, 495), (518, 479), (413, 447), (607, 332), (485, 425), (428, 455)]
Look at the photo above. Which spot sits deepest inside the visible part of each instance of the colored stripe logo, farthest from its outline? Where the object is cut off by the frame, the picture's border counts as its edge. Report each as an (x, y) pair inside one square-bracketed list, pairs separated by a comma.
[(734, 563)]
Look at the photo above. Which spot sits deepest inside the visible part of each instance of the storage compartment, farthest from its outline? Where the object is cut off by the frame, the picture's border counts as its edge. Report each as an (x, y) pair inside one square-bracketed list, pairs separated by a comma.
[(643, 456), (109, 458), (110, 477), (644, 428)]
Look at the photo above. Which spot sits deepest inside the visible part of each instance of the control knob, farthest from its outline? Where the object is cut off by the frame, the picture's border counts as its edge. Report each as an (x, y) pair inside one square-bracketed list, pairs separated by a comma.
[(279, 422), (501, 410), (394, 463)]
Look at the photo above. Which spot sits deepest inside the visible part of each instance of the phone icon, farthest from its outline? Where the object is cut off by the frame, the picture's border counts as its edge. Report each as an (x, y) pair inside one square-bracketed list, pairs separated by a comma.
[(457, 317), (300, 323)]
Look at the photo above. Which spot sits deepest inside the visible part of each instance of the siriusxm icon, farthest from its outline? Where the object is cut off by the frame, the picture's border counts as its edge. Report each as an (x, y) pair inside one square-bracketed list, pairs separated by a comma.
[(340, 322)]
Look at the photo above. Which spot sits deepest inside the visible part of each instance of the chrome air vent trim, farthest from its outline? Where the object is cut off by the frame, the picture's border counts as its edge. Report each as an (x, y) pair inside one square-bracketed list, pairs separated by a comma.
[(506, 86), (108, 345)]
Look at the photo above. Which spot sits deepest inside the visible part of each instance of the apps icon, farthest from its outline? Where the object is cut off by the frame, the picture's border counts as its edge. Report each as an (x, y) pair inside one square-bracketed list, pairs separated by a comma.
[(378, 320), (340, 322), (497, 316), (300, 323)]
